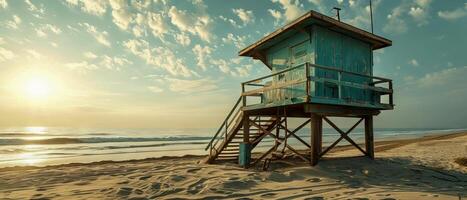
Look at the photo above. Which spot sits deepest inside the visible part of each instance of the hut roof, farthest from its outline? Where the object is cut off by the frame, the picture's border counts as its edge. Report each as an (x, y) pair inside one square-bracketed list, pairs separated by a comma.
[(313, 17)]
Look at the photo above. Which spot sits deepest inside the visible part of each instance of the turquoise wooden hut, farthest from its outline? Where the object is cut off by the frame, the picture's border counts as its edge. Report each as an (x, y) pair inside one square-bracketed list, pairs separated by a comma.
[(320, 67)]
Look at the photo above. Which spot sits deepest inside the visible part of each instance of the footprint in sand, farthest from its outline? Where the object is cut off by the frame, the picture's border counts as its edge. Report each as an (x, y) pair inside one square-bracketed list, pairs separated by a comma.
[(138, 191), (138, 198), (239, 185), (314, 180), (194, 170), (196, 187), (177, 178), (270, 194), (82, 183), (124, 182), (315, 198), (145, 177), (158, 186), (124, 191)]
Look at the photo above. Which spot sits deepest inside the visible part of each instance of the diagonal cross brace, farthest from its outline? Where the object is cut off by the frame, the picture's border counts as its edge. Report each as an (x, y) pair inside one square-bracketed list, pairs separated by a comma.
[(344, 135), (279, 141), (297, 129)]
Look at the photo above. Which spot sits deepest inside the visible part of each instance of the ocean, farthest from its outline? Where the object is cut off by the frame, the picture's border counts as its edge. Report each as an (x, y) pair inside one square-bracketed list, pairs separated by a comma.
[(40, 146)]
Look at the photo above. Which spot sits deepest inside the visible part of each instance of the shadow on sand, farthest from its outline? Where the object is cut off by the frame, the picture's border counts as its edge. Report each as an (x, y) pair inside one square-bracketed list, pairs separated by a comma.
[(394, 174)]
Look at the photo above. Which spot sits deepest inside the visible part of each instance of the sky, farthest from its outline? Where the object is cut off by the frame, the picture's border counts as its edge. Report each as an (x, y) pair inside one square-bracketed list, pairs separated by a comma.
[(169, 64)]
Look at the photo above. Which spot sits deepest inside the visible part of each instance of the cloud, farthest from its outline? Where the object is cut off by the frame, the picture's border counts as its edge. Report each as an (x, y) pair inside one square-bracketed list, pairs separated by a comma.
[(100, 36), (159, 57), (14, 23), (238, 41), (89, 55), (138, 31), (155, 89), (453, 14), (418, 10), (194, 24), (120, 14), (183, 39), (94, 7), (36, 12), (395, 22), (114, 63), (419, 14), (453, 78), (42, 31), (276, 15), (202, 54), (157, 24), (82, 66), (414, 62), (191, 86), (226, 67), (108, 62), (321, 6), (3, 3), (231, 21), (245, 15), (292, 9), (6, 54), (34, 54)]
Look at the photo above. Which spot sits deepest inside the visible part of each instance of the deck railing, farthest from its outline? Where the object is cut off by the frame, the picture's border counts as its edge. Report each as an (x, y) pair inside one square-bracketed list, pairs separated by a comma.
[(302, 76)]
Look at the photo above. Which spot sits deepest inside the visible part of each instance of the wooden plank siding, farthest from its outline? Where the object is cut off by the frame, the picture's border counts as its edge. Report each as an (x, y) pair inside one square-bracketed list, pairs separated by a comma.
[(322, 46)]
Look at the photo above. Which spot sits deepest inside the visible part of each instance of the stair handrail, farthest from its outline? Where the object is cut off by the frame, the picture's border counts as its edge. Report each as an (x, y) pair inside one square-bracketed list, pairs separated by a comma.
[(223, 123)]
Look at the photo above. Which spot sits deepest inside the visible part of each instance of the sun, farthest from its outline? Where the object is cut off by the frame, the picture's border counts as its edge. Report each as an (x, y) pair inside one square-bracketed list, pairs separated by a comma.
[(38, 87)]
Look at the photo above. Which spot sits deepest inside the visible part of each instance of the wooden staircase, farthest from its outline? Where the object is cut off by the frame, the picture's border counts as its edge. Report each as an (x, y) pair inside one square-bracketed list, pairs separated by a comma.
[(226, 147)]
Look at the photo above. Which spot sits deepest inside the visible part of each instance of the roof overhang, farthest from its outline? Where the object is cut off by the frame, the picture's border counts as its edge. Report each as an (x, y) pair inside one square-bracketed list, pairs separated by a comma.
[(309, 18)]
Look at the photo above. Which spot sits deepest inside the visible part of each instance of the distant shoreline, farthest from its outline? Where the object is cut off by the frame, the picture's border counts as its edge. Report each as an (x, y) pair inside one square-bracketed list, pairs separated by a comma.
[(380, 146)]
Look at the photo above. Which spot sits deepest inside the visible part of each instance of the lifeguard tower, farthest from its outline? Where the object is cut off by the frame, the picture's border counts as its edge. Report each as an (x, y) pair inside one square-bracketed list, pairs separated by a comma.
[(320, 68)]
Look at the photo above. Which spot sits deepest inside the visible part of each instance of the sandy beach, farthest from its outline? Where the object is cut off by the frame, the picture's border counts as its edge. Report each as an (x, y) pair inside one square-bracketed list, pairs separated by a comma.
[(424, 168)]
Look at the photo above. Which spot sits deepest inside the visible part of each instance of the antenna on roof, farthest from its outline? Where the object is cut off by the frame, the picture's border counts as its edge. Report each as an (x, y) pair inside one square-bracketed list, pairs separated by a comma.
[(371, 17), (337, 10)]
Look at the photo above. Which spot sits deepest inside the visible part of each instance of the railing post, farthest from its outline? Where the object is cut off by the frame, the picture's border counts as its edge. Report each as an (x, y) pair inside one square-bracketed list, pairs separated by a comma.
[(339, 86), (226, 128), (390, 95), (307, 73), (243, 97)]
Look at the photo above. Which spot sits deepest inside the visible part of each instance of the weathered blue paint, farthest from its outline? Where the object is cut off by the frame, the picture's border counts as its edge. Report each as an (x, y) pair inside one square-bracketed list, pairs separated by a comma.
[(325, 47), (244, 155)]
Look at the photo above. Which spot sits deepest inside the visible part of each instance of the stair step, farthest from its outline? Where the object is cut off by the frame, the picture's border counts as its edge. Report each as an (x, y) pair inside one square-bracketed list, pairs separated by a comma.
[(231, 149), (228, 153), (235, 151), (227, 156), (267, 120)]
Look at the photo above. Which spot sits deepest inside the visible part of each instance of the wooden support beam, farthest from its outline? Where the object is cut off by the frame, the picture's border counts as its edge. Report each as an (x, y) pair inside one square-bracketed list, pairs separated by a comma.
[(265, 154), (315, 134), (343, 135), (298, 154), (340, 138), (297, 129), (369, 145), (246, 128)]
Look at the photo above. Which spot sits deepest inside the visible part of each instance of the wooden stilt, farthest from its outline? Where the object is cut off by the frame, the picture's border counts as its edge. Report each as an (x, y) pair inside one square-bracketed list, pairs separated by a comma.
[(320, 136), (369, 141), (245, 147), (316, 131), (246, 128)]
